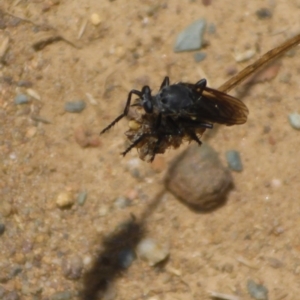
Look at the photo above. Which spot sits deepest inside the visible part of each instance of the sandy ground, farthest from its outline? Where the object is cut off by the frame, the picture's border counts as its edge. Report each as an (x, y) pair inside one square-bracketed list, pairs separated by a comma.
[(254, 236)]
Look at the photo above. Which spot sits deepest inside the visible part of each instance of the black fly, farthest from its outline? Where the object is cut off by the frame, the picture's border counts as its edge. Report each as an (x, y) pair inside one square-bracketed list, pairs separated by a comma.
[(178, 112)]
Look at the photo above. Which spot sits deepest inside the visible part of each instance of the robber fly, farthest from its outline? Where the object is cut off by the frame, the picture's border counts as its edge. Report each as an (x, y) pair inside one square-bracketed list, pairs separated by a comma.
[(183, 111), (178, 112)]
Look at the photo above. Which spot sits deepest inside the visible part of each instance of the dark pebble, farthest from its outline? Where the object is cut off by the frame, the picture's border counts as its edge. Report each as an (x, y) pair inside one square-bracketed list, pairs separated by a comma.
[(66, 295), (198, 178), (191, 38), (264, 13), (13, 295), (227, 267), (199, 56), (122, 202), (275, 263), (21, 99), (72, 267), (125, 258), (234, 160), (257, 291), (15, 271), (75, 106), (2, 228)]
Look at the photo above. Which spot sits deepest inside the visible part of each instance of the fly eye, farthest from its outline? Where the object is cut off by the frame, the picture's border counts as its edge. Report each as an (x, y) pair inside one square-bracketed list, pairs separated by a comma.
[(164, 100)]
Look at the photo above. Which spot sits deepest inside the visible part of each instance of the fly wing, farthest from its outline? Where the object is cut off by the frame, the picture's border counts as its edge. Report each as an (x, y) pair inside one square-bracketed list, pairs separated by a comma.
[(218, 107)]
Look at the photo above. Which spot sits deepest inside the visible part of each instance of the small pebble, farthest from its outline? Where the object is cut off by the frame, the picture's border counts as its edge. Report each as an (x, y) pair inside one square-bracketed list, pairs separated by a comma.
[(191, 38), (24, 83), (244, 56), (95, 19), (122, 202), (5, 208), (231, 70), (199, 56), (31, 132), (126, 258), (87, 260), (103, 211), (66, 295), (72, 267), (234, 160), (2, 228), (211, 28), (32, 93), (294, 120), (275, 263), (85, 138), (135, 168), (198, 178), (21, 99), (81, 198), (65, 199), (227, 267), (15, 271), (264, 13), (75, 106), (257, 291), (149, 250)]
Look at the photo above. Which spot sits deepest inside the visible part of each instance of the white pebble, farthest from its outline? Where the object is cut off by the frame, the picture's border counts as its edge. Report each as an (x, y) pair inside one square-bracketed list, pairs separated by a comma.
[(294, 120), (87, 260), (244, 56), (149, 250), (33, 94)]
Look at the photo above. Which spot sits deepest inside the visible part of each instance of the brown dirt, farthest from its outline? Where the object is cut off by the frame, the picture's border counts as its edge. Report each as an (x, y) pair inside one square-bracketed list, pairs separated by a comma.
[(248, 238)]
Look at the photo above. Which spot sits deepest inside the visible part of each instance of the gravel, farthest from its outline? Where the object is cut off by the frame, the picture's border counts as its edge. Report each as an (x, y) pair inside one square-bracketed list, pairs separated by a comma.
[(72, 267), (264, 13), (21, 99), (65, 199), (152, 251), (257, 291), (234, 160), (126, 258), (294, 120), (122, 202), (191, 38), (199, 56), (81, 198), (75, 106)]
